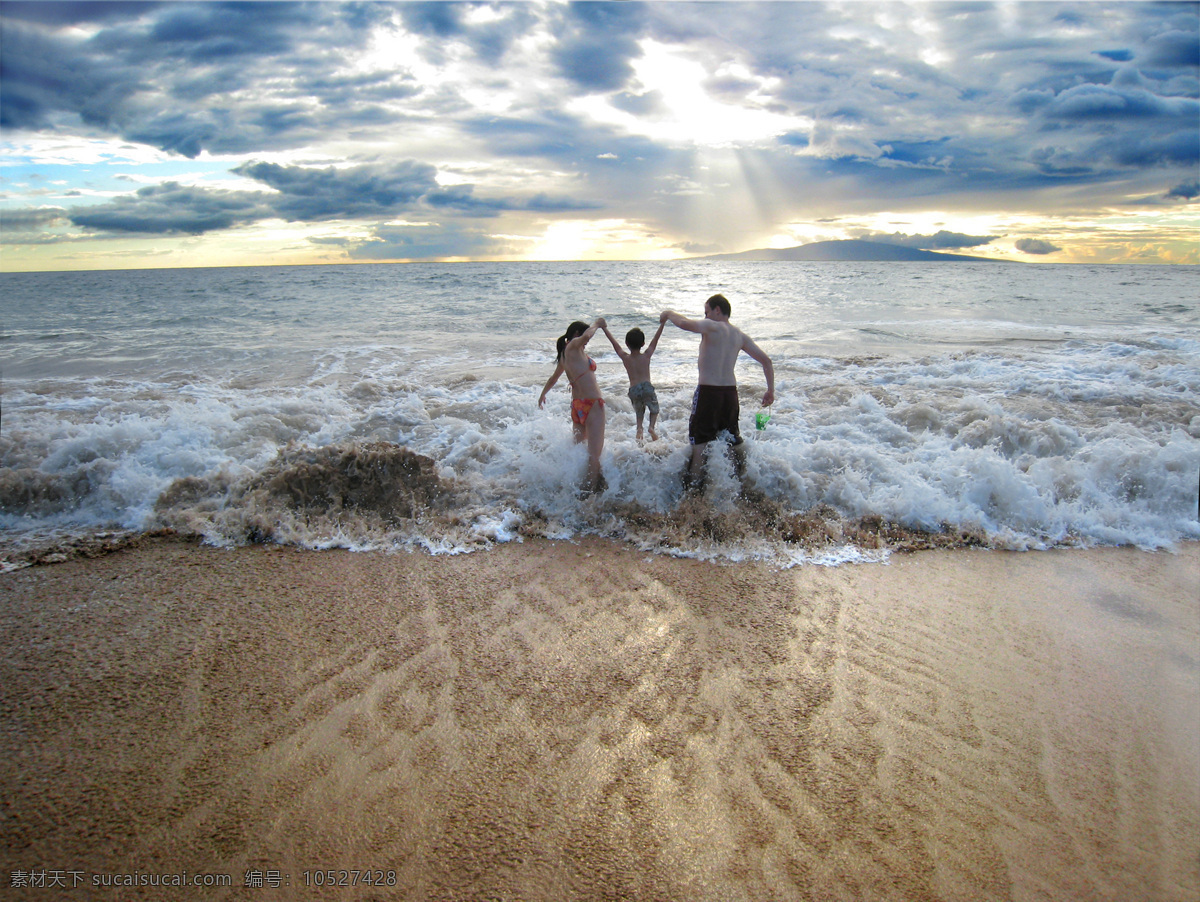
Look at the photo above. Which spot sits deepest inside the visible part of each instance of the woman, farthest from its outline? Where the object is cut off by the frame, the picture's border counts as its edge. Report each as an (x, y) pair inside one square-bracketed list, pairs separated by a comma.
[(587, 407)]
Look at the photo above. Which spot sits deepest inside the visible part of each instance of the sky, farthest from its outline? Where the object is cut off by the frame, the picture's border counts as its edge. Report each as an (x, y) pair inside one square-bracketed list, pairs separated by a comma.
[(222, 134)]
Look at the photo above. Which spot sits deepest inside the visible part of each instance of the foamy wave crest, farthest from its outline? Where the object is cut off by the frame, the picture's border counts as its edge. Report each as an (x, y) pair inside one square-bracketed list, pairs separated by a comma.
[(381, 496), (861, 457), (1021, 484)]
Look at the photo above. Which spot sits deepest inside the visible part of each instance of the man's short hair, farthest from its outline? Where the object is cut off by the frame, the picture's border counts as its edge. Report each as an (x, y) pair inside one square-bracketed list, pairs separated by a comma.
[(721, 303), (635, 338)]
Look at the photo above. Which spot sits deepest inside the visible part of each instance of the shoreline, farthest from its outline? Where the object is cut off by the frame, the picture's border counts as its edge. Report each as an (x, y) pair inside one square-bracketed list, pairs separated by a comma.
[(819, 537), (554, 719)]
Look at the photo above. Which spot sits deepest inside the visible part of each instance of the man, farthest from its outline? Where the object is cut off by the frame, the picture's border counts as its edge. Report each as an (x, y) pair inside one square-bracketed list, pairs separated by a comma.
[(715, 406)]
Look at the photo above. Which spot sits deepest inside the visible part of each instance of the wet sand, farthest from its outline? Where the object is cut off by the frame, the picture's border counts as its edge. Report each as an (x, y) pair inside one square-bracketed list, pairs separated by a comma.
[(552, 721)]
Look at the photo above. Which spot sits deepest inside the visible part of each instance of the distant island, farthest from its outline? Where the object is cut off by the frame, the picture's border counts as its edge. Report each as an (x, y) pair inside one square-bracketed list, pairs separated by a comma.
[(854, 251)]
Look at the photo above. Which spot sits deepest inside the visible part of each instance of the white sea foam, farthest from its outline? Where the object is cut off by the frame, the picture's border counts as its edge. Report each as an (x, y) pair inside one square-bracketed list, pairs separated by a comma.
[(1025, 436)]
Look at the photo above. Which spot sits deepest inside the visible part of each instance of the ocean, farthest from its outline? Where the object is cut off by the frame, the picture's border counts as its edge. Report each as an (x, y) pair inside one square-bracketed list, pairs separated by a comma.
[(394, 406)]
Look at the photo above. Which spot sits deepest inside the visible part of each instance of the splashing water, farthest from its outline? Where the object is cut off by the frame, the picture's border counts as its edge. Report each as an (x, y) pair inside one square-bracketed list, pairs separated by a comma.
[(395, 407)]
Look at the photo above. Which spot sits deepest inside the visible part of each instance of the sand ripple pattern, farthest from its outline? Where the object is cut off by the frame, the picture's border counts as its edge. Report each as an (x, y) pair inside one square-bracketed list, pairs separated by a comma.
[(579, 721)]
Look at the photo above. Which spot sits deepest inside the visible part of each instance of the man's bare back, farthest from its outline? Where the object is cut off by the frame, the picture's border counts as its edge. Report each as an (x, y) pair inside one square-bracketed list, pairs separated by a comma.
[(720, 344), (715, 407)]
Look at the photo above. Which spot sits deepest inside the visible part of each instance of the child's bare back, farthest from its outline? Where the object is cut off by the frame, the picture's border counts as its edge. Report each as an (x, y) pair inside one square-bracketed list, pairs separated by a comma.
[(637, 367)]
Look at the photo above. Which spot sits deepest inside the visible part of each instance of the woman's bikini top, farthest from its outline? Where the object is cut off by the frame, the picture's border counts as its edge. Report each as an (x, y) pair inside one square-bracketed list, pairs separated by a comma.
[(591, 366)]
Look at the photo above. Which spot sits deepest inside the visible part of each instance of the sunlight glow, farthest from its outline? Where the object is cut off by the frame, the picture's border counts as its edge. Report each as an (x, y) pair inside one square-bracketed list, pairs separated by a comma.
[(932, 53), (389, 45), (680, 110), (605, 239)]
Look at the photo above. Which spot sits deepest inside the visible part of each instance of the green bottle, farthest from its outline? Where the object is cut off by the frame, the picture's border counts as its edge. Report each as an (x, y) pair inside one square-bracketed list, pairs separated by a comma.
[(761, 419)]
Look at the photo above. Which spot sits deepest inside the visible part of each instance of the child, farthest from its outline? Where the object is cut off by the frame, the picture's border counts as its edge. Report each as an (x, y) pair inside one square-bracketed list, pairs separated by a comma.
[(637, 365)]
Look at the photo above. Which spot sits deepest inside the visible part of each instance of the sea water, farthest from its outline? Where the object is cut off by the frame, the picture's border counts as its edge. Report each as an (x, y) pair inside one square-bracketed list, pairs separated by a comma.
[(395, 407)]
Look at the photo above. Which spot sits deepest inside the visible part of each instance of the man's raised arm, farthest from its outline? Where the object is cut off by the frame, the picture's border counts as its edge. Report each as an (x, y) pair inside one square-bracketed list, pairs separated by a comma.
[(678, 319)]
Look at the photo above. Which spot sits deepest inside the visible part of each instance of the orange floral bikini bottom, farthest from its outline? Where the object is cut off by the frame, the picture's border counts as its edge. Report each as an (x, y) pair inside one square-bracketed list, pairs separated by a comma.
[(581, 407)]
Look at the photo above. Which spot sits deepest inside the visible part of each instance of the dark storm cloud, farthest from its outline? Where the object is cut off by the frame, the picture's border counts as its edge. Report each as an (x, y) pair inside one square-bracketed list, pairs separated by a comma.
[(597, 42), (166, 75), (1140, 151), (16, 224), (359, 192), (447, 22), (548, 134), (380, 190), (575, 145), (208, 32), (441, 20), (41, 76), (347, 89), (461, 198), (941, 240), (1173, 49), (75, 13), (301, 194), (394, 242), (1035, 246), (173, 209), (1106, 103)]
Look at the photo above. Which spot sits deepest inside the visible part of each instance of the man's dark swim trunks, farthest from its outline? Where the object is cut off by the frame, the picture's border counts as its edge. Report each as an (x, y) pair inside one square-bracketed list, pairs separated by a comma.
[(715, 410)]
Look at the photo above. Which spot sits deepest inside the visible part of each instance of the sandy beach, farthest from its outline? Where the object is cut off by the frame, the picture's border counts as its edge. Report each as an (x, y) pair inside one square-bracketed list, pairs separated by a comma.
[(553, 720)]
